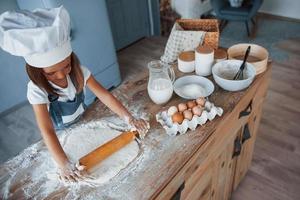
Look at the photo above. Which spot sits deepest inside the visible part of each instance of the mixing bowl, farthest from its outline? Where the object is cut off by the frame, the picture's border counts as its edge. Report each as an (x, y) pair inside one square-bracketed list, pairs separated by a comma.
[(224, 71)]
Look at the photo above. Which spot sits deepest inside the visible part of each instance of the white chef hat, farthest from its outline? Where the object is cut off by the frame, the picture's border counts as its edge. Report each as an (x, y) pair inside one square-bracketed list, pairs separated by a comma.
[(42, 37)]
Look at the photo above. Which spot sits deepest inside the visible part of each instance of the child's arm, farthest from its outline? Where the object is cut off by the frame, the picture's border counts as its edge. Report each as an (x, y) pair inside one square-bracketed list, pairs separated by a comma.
[(45, 125), (115, 105)]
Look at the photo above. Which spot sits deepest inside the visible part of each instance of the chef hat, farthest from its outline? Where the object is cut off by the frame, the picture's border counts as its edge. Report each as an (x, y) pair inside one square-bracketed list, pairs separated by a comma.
[(42, 37)]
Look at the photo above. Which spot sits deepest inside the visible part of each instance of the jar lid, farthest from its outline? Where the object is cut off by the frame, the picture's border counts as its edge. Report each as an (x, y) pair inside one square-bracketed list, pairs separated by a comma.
[(187, 56), (204, 49), (220, 54)]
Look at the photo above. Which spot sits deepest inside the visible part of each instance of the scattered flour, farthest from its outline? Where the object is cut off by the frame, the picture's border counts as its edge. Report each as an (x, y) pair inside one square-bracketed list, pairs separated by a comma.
[(32, 173), (37, 170), (84, 140)]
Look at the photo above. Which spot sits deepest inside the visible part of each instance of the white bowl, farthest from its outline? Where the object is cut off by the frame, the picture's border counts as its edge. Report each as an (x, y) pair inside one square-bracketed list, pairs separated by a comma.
[(193, 87), (224, 71)]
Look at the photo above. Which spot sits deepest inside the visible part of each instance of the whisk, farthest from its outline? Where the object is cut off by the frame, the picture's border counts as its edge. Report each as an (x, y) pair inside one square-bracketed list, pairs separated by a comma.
[(240, 75)]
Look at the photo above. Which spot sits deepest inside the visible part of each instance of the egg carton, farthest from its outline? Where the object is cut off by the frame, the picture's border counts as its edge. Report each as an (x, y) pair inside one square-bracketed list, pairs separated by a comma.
[(209, 113)]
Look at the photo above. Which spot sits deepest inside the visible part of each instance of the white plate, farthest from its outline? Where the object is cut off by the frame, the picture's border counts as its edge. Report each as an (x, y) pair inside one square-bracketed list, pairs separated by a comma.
[(193, 87)]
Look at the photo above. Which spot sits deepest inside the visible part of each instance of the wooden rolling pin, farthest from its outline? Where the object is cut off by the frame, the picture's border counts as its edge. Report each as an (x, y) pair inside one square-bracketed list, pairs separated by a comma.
[(107, 149)]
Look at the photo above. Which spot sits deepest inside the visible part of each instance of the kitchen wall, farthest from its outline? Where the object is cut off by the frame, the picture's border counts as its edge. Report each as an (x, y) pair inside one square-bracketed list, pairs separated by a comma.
[(284, 8), (13, 78)]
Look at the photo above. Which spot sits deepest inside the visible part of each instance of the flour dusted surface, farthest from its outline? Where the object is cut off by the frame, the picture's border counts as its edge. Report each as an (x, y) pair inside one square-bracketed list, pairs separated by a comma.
[(84, 140), (36, 169)]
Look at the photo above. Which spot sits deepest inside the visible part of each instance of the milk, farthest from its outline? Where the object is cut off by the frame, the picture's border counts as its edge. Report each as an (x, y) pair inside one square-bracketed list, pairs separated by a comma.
[(160, 90)]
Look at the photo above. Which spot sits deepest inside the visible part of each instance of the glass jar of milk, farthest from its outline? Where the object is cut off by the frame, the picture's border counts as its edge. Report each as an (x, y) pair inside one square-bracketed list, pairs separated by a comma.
[(160, 84)]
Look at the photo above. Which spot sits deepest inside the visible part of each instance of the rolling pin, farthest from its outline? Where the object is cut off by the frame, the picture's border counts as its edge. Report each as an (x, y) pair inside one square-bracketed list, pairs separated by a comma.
[(107, 149)]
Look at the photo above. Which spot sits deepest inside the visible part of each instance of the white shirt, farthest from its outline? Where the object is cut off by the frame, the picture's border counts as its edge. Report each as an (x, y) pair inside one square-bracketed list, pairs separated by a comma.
[(36, 95)]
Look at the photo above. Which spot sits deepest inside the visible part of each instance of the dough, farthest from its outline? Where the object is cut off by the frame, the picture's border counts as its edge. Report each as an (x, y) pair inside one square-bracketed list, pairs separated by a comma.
[(83, 140)]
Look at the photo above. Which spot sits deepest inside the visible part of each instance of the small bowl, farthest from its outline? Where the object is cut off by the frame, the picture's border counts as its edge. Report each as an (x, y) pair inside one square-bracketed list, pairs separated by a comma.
[(189, 87), (258, 55), (224, 71)]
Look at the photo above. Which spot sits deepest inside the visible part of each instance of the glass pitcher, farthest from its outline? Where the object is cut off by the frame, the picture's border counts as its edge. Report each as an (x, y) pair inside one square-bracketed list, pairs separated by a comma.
[(160, 84)]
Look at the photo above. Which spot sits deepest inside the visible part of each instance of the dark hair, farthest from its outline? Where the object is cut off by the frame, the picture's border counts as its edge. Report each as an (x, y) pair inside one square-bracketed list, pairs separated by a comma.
[(37, 76)]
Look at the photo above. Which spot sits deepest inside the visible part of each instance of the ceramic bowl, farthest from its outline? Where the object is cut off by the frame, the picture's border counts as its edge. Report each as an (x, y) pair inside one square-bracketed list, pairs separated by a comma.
[(224, 71), (193, 87), (258, 55)]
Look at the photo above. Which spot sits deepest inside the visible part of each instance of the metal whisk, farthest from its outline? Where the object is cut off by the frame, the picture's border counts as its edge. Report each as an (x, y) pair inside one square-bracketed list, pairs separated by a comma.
[(240, 75)]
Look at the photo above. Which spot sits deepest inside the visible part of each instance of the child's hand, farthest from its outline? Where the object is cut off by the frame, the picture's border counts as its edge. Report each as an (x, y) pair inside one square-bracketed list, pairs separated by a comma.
[(140, 125), (70, 172)]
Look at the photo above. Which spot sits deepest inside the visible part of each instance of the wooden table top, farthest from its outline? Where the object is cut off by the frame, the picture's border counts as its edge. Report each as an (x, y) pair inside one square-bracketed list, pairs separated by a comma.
[(161, 156)]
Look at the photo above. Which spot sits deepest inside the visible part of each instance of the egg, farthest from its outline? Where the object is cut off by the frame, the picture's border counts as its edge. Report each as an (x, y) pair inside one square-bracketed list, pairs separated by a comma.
[(182, 107), (177, 117), (172, 110), (191, 104), (200, 101), (187, 114), (197, 110)]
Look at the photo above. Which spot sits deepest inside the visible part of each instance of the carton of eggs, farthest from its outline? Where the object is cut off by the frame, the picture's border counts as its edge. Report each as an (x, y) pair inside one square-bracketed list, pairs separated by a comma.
[(184, 116)]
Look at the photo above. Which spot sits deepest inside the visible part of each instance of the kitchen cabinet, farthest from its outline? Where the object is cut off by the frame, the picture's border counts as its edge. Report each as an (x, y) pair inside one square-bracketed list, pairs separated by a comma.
[(207, 163), (195, 189), (222, 162), (246, 138), (129, 20)]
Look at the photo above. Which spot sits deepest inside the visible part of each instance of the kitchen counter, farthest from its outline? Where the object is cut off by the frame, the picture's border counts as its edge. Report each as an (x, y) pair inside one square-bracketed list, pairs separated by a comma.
[(166, 165)]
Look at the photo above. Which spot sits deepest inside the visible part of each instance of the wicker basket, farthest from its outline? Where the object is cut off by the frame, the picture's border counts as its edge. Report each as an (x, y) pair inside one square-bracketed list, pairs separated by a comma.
[(211, 27)]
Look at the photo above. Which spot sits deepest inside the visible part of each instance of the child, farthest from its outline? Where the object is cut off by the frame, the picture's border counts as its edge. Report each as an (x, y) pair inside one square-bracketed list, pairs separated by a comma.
[(57, 80)]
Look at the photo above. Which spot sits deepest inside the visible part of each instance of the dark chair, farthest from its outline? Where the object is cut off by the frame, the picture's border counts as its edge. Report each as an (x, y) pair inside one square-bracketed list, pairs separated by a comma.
[(245, 13)]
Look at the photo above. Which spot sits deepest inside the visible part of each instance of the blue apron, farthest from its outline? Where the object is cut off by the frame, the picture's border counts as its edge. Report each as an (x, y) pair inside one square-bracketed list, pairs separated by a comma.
[(58, 109)]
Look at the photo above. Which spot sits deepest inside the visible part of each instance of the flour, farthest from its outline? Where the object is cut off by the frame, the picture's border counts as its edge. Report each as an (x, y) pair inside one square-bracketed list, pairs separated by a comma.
[(192, 90), (33, 173), (35, 166), (84, 140)]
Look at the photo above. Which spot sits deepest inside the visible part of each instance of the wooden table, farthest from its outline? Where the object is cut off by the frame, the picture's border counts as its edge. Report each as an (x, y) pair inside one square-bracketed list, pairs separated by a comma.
[(207, 163)]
